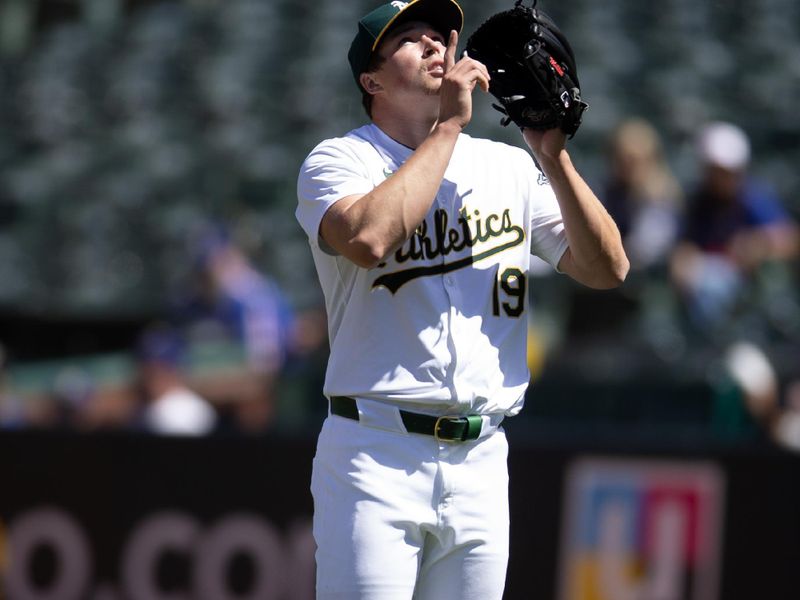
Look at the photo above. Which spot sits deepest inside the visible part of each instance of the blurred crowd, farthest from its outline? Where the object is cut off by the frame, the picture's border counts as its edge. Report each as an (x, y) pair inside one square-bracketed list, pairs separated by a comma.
[(714, 265), (214, 362), (714, 273), (127, 125), (719, 241)]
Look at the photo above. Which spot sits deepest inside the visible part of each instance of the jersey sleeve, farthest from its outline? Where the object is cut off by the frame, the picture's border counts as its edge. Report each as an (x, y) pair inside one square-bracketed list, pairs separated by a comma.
[(331, 172), (548, 237)]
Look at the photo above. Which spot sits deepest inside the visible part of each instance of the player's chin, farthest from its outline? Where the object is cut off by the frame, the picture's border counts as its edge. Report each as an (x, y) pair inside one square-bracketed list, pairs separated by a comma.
[(433, 83)]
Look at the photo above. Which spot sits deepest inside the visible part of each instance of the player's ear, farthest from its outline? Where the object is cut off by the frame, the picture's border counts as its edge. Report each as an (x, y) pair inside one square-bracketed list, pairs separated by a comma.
[(369, 83)]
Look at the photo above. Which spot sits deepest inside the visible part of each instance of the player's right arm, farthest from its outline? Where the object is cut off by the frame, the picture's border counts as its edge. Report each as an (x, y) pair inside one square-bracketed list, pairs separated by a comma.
[(366, 228)]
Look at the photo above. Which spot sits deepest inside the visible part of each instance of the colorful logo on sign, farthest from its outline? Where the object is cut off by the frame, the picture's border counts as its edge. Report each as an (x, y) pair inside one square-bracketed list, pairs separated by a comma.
[(641, 530)]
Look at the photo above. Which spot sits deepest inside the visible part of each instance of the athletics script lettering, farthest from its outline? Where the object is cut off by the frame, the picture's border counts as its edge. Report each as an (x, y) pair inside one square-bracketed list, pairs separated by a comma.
[(470, 231)]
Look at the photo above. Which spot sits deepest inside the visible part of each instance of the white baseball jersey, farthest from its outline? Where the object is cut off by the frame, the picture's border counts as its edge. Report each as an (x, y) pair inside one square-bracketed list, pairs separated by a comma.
[(442, 323)]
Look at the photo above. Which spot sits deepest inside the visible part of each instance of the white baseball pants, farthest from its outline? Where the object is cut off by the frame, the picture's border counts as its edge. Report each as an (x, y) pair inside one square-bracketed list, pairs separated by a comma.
[(401, 516)]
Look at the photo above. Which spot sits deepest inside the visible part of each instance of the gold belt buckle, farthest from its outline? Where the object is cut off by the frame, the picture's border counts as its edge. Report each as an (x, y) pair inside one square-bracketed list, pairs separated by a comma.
[(438, 425)]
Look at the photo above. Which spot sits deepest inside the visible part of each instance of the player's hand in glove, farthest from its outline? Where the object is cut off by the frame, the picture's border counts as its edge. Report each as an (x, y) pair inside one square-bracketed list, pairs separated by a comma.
[(532, 69), (545, 144)]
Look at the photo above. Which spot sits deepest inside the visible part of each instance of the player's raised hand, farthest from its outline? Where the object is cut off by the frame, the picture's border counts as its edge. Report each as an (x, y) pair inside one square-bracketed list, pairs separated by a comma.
[(545, 144), (459, 80)]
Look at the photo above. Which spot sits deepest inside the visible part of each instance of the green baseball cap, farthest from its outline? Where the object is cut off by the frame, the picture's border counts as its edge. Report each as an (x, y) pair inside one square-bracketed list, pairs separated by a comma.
[(442, 15)]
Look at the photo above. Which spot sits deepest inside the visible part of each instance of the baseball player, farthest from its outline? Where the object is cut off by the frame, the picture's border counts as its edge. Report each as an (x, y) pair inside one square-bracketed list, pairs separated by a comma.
[(422, 236)]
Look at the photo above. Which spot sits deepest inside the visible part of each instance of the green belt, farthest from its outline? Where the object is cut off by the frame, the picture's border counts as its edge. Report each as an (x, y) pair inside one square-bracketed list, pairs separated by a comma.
[(447, 429)]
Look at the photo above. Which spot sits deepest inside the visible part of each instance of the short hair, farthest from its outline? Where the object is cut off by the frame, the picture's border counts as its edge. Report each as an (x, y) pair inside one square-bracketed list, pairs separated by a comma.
[(375, 63)]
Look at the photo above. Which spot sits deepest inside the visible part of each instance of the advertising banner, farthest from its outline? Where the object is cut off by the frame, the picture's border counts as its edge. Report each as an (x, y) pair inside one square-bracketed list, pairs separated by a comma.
[(135, 517)]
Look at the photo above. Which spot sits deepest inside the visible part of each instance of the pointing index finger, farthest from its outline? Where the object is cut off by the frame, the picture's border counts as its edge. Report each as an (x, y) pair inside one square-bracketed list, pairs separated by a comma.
[(450, 53)]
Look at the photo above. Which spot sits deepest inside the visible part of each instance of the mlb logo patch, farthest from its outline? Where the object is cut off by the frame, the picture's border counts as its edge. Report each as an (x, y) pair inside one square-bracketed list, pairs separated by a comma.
[(641, 530)]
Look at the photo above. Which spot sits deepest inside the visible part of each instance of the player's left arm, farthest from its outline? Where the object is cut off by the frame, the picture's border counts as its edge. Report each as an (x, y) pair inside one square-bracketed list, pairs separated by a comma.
[(595, 256)]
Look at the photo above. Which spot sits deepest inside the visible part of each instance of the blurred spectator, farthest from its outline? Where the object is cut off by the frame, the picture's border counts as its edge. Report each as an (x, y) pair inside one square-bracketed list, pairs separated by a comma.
[(230, 302), (749, 387), (775, 410), (106, 405), (784, 420), (642, 194), (169, 405), (73, 391), (733, 226), (644, 198), (66, 395)]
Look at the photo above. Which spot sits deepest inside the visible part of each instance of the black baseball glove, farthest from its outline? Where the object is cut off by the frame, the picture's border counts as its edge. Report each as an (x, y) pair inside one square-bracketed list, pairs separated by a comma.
[(532, 68)]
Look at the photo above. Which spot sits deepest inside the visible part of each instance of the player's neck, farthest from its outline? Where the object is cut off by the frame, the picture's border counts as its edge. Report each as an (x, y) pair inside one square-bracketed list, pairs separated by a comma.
[(409, 129)]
